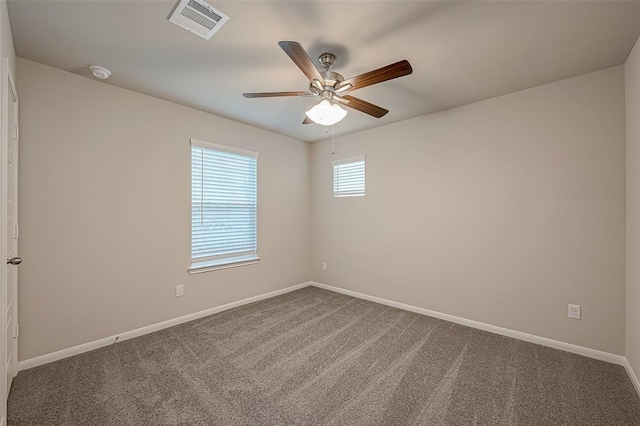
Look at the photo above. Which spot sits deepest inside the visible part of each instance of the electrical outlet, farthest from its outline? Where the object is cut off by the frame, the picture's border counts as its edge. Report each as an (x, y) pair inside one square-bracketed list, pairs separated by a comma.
[(574, 311), (324, 266), (179, 290)]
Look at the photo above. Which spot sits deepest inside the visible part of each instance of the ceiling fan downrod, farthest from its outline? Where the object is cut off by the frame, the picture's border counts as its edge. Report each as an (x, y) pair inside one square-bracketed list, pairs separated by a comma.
[(327, 60)]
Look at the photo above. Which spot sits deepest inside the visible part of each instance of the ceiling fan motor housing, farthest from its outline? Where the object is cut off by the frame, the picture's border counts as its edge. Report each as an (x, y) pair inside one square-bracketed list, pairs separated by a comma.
[(331, 81)]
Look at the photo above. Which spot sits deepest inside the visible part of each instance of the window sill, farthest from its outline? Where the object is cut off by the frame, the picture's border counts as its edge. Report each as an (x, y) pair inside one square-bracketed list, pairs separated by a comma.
[(215, 265)]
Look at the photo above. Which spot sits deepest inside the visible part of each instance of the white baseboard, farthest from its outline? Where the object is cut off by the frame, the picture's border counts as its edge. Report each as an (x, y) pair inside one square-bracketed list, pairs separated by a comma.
[(85, 347), (632, 375), (568, 347)]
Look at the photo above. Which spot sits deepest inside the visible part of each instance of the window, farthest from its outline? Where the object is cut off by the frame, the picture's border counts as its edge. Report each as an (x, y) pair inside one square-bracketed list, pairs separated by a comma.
[(348, 177), (223, 207)]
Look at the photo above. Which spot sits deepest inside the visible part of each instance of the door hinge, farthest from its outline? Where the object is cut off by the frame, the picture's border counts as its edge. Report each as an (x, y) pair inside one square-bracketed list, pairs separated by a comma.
[(16, 132), (17, 331), (16, 232)]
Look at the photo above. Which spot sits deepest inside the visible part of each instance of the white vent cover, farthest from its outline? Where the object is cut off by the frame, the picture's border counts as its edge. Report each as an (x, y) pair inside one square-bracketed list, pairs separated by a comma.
[(198, 17)]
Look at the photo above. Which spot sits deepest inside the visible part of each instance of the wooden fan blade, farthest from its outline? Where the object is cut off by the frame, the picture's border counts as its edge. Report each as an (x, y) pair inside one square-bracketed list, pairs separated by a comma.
[(275, 94), (307, 120), (365, 106), (389, 72), (301, 59)]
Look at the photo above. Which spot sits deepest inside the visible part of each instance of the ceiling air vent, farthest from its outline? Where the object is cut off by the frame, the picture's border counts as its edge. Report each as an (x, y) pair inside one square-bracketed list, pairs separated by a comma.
[(198, 17)]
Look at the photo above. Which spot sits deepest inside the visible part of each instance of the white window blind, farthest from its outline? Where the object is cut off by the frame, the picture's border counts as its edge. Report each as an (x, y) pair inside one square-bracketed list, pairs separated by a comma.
[(223, 205), (349, 177)]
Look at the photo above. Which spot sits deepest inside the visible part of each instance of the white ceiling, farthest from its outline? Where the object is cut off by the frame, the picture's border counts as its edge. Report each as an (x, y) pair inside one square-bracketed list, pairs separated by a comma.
[(461, 52)]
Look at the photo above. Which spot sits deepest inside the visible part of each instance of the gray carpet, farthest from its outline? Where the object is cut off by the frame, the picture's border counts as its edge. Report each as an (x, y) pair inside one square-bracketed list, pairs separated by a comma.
[(314, 357)]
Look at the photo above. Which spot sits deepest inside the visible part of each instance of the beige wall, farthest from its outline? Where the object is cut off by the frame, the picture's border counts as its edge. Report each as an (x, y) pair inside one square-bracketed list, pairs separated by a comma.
[(632, 97), (105, 210), (503, 211)]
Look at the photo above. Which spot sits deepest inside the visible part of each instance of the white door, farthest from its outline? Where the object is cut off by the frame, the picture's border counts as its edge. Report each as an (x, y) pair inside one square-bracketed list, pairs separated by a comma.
[(13, 260), (9, 233)]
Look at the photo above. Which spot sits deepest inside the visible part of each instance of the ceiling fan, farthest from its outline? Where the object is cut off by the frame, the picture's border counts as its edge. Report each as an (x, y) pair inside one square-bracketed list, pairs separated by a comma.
[(331, 86)]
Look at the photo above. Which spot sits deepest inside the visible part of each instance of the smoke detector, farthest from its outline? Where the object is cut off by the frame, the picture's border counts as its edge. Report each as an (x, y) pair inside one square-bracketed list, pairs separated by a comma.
[(100, 72), (198, 17)]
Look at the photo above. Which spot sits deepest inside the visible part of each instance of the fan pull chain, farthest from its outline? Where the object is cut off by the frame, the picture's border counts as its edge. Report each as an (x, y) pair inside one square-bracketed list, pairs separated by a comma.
[(333, 145), (202, 189)]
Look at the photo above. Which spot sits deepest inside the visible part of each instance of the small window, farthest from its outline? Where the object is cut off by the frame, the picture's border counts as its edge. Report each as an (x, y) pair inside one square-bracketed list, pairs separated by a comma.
[(224, 226), (348, 177)]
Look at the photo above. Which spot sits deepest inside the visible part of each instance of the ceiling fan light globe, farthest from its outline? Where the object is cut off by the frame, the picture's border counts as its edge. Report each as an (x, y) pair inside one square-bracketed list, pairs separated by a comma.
[(325, 113)]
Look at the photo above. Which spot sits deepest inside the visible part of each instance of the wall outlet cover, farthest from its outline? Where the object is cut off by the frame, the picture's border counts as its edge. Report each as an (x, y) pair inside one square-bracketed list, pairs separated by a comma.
[(574, 311), (179, 290)]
